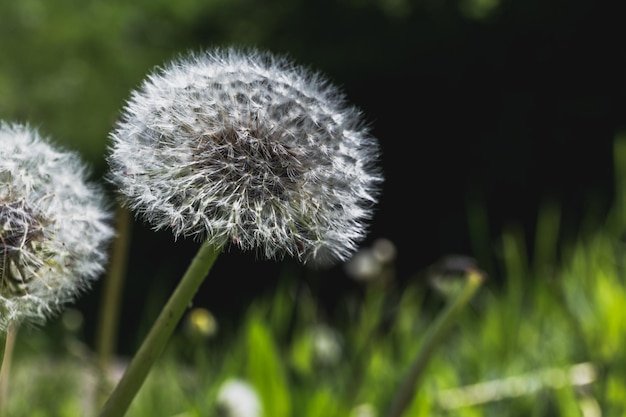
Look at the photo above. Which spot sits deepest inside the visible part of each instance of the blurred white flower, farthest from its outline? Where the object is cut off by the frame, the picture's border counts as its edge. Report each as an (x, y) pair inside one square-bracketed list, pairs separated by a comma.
[(236, 398), (53, 227), (384, 250), (246, 147), (363, 266), (364, 410), (327, 345), (368, 264)]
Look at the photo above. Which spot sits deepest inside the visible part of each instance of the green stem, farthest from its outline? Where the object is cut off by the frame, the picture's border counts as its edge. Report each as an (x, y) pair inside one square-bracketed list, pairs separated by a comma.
[(432, 339), (109, 305), (3, 344), (162, 329), (7, 341)]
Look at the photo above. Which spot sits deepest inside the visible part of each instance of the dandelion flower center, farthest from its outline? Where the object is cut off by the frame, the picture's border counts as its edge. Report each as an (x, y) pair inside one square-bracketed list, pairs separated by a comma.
[(21, 234)]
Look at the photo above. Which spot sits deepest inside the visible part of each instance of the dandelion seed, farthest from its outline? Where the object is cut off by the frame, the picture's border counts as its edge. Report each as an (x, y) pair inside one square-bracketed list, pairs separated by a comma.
[(246, 148), (53, 228)]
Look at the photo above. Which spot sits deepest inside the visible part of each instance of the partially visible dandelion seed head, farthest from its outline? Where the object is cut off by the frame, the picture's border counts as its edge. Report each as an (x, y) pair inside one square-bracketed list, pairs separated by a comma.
[(384, 250), (363, 410), (363, 266), (237, 398), (327, 345), (369, 264), (244, 147), (53, 227)]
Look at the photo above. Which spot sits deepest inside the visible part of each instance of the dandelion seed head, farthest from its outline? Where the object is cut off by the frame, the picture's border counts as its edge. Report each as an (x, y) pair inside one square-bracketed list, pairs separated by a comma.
[(363, 266), (53, 227), (237, 398), (244, 147), (363, 410), (327, 345)]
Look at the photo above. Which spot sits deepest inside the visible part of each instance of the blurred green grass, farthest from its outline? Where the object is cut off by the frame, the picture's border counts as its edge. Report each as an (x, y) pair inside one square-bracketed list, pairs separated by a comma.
[(549, 341)]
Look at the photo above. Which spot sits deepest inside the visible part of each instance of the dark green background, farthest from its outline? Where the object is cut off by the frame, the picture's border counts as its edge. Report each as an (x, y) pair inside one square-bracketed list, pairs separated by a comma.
[(503, 103)]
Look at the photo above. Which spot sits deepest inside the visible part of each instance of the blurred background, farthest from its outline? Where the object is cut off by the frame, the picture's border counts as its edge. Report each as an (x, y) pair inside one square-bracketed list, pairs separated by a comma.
[(487, 108)]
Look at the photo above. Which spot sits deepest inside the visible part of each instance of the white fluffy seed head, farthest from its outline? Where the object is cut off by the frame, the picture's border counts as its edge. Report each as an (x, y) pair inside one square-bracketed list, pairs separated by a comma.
[(53, 227), (237, 398), (244, 147)]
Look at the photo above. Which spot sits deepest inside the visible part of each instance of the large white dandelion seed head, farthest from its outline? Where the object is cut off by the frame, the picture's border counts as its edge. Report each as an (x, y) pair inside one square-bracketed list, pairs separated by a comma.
[(244, 147), (53, 227)]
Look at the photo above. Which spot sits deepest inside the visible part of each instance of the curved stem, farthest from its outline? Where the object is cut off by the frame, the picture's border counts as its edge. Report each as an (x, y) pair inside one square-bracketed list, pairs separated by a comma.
[(159, 334), (432, 339)]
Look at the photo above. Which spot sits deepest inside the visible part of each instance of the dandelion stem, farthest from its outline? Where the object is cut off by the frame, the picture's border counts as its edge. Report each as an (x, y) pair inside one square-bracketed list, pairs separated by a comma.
[(154, 343), (434, 336), (109, 305), (3, 342), (7, 341)]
